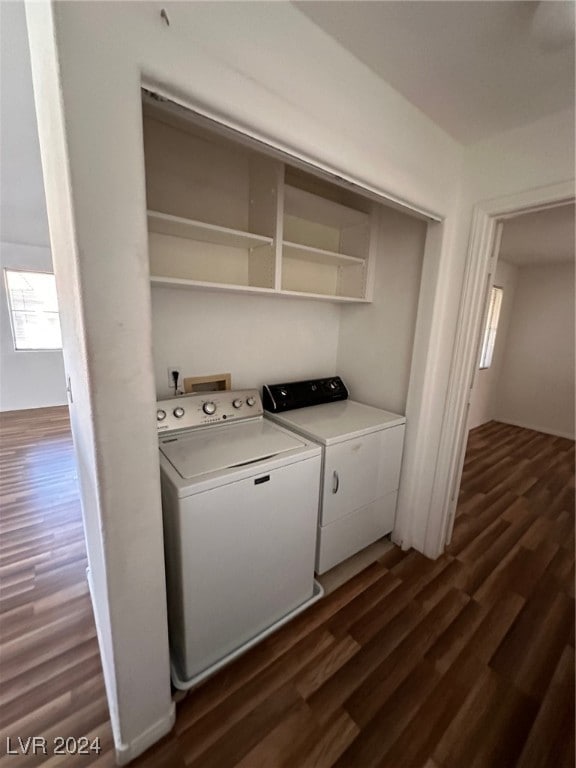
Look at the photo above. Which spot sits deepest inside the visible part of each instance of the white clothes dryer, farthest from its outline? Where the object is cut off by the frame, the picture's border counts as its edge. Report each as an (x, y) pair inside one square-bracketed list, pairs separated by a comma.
[(362, 455)]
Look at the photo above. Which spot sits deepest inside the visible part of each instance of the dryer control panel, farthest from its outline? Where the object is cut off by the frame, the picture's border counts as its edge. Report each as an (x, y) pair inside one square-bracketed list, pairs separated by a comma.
[(301, 394), (205, 408)]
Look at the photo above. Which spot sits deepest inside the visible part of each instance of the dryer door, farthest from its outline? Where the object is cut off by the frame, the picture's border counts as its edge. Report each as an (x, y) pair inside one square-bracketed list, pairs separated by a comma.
[(358, 471)]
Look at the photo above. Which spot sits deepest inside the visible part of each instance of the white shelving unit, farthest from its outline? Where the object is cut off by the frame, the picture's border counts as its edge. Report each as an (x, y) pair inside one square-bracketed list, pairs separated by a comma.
[(222, 216), (326, 245)]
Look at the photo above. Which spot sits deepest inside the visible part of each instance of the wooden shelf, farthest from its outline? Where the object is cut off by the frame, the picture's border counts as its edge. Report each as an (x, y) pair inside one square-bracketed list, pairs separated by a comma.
[(181, 282), (165, 224), (322, 297), (319, 255), (177, 282)]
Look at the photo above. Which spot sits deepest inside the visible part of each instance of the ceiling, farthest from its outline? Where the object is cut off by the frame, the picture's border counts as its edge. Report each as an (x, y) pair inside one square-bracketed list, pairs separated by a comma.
[(476, 68), (545, 237)]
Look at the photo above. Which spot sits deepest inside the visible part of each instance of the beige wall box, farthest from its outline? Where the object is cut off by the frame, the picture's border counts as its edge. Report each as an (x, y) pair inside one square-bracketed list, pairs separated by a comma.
[(214, 383)]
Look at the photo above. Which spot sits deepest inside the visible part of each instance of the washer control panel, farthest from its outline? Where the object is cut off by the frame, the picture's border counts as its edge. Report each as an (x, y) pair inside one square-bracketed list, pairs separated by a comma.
[(204, 408)]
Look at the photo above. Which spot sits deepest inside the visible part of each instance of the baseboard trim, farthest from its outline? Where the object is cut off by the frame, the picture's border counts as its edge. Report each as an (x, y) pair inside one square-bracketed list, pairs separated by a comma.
[(535, 428), (125, 753)]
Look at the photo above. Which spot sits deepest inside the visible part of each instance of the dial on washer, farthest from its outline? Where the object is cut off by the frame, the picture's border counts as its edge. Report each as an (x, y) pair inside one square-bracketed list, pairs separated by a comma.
[(209, 408)]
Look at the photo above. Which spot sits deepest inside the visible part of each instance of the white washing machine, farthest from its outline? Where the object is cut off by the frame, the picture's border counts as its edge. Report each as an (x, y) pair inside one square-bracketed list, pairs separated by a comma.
[(362, 456), (240, 508)]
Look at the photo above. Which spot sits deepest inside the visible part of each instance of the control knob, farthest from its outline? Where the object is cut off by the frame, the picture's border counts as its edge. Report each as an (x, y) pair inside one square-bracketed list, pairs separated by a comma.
[(237, 403), (178, 412), (209, 408), (333, 384), (160, 415), (250, 401)]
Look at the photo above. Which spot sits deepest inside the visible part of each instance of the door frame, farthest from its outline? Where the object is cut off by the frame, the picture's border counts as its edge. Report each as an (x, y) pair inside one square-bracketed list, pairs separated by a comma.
[(484, 244)]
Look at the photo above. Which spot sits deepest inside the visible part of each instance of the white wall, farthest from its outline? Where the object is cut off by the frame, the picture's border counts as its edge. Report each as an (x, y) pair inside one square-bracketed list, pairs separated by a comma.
[(534, 155), (482, 401), (28, 379), (22, 200), (88, 68), (259, 341), (375, 343), (531, 156), (536, 385)]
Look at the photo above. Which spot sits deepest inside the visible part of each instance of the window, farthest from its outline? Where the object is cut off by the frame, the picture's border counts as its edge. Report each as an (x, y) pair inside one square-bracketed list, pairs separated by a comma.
[(33, 309), (491, 327)]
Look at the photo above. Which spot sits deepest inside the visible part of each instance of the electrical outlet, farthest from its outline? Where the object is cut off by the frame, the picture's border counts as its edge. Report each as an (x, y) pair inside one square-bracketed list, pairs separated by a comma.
[(171, 378)]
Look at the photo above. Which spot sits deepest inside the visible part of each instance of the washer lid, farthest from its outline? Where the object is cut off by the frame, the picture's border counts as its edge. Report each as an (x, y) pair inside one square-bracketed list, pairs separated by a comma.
[(213, 448), (333, 422)]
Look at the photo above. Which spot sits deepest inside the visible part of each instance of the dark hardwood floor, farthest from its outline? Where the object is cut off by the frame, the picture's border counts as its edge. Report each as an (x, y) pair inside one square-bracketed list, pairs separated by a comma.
[(462, 662), (50, 671)]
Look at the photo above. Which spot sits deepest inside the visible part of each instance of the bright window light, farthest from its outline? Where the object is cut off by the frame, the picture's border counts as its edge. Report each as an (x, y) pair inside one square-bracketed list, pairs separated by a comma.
[(33, 309), (491, 327)]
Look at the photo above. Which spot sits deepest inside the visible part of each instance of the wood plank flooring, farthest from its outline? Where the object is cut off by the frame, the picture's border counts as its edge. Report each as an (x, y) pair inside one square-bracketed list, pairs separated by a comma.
[(463, 662), (49, 661)]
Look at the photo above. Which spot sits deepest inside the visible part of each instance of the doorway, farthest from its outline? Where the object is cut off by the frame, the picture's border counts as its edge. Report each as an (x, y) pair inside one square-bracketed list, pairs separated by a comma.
[(525, 374), (521, 417), (487, 229)]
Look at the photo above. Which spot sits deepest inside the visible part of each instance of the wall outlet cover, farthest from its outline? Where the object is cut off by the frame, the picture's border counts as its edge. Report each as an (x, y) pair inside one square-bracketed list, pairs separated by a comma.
[(172, 368)]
